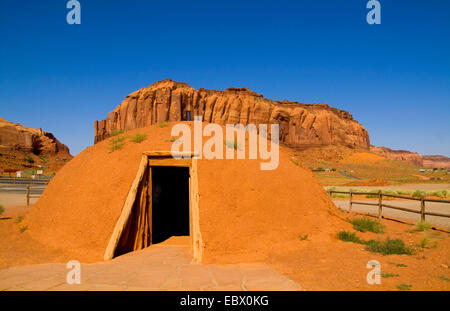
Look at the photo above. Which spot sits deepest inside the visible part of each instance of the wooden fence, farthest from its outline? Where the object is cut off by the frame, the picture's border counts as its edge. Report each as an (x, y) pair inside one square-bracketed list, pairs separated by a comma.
[(380, 203)]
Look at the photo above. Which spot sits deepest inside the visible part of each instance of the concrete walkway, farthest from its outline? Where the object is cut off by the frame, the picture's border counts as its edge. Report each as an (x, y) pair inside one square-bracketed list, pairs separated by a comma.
[(159, 267)]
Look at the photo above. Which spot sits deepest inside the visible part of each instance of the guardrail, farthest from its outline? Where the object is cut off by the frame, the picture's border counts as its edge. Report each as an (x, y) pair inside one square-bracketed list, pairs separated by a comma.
[(380, 203), (24, 180)]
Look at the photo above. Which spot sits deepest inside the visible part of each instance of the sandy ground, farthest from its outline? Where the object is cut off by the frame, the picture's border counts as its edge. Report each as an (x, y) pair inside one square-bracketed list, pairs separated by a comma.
[(320, 263), (337, 265)]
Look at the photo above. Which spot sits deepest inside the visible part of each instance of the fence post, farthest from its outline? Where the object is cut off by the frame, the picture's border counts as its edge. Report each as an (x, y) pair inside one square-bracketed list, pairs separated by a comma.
[(422, 209), (380, 204), (28, 195), (351, 200)]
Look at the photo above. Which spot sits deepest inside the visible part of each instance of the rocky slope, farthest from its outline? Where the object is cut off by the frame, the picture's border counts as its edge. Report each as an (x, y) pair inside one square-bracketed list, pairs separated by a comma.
[(301, 125), (22, 147)]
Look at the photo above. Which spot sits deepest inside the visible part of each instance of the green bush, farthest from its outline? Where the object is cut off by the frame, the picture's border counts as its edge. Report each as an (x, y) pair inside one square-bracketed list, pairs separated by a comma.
[(116, 143), (404, 287), (441, 193), (423, 226), (340, 195), (116, 132), (366, 224), (388, 275), (29, 159), (347, 236), (23, 229), (388, 247), (2, 209), (419, 193), (138, 138), (163, 124)]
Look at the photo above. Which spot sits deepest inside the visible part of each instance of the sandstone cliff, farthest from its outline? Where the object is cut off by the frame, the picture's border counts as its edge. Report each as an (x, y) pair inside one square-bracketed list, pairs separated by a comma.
[(25, 147), (301, 125), (15, 137), (399, 155), (436, 161)]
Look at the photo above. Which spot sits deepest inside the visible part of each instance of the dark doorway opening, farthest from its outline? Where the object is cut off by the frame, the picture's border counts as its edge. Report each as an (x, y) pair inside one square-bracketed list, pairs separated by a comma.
[(170, 202)]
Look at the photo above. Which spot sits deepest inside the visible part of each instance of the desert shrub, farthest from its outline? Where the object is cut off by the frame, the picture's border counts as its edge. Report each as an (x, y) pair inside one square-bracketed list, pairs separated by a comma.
[(423, 226), (2, 209), (366, 224), (397, 264), (443, 278), (340, 195), (138, 138), (423, 242), (23, 229), (404, 192), (404, 287), (441, 193), (388, 275), (19, 219), (303, 237), (29, 159), (388, 247), (116, 132), (163, 124), (347, 236), (116, 143), (374, 195), (419, 193)]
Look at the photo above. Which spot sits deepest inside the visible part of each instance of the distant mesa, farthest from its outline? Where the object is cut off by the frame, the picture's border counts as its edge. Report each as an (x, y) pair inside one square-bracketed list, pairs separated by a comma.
[(25, 147), (430, 161), (301, 125)]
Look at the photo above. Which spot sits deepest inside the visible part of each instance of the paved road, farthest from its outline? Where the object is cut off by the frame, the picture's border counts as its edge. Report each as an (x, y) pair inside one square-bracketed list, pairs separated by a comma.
[(11, 188), (165, 267), (414, 205)]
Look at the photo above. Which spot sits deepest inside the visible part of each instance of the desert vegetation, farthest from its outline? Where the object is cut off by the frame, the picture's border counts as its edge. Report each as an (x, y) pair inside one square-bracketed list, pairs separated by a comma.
[(386, 247)]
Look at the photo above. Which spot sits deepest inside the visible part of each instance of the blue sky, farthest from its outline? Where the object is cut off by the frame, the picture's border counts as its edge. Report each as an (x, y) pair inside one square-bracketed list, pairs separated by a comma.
[(394, 78)]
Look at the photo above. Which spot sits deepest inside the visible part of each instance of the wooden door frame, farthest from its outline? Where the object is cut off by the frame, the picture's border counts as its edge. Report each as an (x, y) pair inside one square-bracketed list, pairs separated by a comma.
[(163, 158)]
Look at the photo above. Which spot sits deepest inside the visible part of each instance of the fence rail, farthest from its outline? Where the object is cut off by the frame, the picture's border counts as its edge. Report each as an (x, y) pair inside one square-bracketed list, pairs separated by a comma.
[(24, 180), (380, 203)]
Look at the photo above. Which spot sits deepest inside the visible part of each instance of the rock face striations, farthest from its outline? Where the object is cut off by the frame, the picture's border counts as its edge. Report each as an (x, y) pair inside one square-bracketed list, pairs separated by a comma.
[(429, 161), (301, 125), (15, 137), (436, 161)]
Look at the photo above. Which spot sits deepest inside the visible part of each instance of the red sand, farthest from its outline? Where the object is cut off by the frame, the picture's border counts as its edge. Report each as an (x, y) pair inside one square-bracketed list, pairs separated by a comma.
[(245, 213)]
